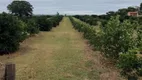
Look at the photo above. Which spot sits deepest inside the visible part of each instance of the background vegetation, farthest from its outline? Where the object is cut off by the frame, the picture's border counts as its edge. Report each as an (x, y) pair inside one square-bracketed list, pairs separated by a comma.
[(118, 38), (20, 23)]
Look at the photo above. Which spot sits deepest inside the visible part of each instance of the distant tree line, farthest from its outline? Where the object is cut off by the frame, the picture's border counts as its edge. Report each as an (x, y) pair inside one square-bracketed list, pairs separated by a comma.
[(94, 19)]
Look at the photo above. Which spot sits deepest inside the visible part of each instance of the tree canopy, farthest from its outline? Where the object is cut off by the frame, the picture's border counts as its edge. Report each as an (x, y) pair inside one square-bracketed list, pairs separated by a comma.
[(141, 6), (20, 8)]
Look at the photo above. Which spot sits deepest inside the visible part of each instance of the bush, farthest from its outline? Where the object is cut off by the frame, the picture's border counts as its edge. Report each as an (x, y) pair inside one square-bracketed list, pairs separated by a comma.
[(128, 62), (89, 33), (88, 19), (46, 23), (118, 41), (32, 27), (11, 30), (118, 37)]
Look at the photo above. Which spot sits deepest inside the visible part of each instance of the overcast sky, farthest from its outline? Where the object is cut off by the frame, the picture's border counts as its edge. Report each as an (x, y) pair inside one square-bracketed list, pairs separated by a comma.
[(74, 6)]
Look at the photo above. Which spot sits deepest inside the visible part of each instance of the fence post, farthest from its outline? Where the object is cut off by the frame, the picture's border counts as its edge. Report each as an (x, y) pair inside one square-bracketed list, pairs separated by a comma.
[(2, 71), (10, 71)]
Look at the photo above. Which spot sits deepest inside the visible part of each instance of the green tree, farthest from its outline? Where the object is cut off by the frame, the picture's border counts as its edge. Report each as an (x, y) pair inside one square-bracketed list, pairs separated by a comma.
[(141, 8), (118, 37), (132, 9), (111, 13), (130, 65), (32, 26), (20, 8), (11, 31), (122, 11)]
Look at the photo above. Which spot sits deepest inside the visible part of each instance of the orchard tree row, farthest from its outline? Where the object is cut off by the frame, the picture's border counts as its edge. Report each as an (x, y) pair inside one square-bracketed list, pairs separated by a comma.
[(20, 23), (88, 19), (119, 41), (94, 19)]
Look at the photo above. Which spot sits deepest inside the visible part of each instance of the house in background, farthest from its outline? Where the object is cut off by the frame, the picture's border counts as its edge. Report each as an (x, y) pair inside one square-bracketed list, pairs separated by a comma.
[(133, 14)]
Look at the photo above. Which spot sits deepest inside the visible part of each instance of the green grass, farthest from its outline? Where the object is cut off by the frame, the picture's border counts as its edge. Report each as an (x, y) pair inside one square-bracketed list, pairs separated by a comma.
[(61, 54)]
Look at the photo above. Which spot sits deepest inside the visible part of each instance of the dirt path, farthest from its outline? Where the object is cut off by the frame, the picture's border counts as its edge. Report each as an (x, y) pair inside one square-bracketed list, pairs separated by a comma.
[(61, 54)]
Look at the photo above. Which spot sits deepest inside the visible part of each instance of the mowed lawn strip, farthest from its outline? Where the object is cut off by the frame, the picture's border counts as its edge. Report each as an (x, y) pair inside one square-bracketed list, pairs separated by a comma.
[(61, 54)]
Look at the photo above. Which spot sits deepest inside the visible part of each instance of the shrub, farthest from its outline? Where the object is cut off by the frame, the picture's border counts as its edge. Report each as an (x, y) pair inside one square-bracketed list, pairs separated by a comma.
[(128, 62), (46, 23), (32, 27), (88, 19), (11, 30), (118, 37), (130, 65), (89, 33)]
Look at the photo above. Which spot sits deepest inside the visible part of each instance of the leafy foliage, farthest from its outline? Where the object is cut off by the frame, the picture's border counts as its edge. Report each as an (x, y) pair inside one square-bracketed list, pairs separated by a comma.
[(141, 7), (117, 40), (130, 64), (20, 8), (89, 32), (32, 27), (11, 30), (118, 37), (88, 19), (16, 27), (46, 23)]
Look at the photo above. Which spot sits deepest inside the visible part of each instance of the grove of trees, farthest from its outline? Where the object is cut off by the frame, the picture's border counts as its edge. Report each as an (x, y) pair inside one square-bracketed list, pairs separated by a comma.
[(94, 19), (119, 41), (119, 38), (20, 23)]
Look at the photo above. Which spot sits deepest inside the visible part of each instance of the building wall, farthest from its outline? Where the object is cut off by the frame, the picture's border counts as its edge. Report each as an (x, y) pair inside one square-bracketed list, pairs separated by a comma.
[(132, 13)]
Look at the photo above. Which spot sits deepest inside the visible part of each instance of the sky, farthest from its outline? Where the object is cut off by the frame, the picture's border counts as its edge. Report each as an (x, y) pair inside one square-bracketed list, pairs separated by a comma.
[(72, 7)]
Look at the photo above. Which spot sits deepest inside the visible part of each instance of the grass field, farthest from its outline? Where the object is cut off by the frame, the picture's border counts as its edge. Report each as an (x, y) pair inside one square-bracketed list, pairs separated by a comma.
[(61, 54)]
